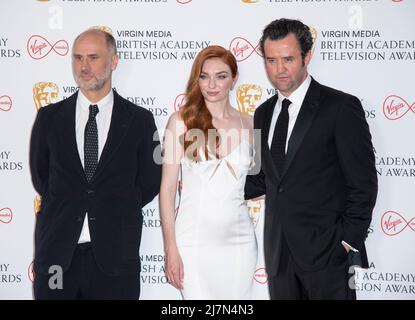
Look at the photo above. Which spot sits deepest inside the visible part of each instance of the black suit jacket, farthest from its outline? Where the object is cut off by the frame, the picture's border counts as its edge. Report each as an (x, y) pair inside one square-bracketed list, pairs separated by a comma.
[(327, 190), (126, 179)]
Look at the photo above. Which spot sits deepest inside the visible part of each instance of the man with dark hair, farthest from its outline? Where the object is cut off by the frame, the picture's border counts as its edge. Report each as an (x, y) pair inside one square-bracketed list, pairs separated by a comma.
[(281, 28), (317, 171), (91, 159)]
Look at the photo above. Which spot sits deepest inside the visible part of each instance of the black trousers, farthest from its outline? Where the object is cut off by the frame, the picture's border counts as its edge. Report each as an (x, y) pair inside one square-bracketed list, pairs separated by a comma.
[(329, 283), (85, 281)]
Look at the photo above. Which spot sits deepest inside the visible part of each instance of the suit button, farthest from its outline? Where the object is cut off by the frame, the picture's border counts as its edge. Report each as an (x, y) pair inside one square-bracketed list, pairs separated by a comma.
[(79, 219), (280, 190), (89, 191)]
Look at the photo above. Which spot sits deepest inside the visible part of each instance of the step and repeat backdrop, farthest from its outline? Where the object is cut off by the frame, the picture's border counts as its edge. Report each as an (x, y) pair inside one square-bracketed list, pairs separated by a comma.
[(364, 47)]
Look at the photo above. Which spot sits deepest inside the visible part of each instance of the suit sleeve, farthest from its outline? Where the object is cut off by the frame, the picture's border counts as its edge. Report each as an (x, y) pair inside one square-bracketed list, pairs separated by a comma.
[(149, 162), (255, 181), (255, 186), (39, 153), (357, 160)]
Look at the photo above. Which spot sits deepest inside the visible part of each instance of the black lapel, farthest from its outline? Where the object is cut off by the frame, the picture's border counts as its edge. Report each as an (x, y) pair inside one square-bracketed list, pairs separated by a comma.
[(303, 122), (269, 110), (266, 123), (67, 128), (120, 121)]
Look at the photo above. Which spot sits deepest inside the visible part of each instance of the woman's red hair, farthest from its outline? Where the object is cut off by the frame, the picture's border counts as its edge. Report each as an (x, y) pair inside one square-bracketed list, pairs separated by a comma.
[(194, 112)]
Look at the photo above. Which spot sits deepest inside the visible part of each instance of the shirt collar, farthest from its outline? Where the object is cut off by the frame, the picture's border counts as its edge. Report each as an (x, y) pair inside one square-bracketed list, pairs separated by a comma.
[(84, 102), (298, 95)]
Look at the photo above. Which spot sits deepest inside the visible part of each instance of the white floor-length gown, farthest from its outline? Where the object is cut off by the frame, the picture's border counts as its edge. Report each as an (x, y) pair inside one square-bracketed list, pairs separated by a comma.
[(214, 233)]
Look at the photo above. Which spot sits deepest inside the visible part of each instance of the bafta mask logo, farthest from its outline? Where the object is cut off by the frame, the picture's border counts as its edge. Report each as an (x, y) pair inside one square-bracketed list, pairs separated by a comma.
[(45, 93), (314, 36), (248, 97), (254, 211), (103, 28), (37, 202)]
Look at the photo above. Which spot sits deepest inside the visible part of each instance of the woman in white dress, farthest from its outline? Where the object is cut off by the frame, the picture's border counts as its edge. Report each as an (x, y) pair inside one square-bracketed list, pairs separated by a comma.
[(210, 244)]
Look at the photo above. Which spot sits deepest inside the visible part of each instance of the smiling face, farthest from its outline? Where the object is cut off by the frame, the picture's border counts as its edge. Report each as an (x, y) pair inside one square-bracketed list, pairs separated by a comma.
[(215, 80), (93, 63), (284, 64)]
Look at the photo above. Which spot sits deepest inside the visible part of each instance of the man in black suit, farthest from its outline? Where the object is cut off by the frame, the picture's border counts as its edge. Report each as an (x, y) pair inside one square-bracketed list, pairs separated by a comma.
[(317, 171), (91, 159)]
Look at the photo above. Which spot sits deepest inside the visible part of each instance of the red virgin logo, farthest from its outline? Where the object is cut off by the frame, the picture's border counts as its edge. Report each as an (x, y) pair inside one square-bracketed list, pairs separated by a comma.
[(179, 101), (260, 276), (5, 103), (38, 47), (242, 49), (6, 215), (31, 272), (394, 223), (395, 107)]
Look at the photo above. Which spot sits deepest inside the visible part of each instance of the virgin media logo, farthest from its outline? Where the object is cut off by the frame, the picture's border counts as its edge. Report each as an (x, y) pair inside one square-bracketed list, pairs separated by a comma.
[(5, 103), (395, 107), (31, 272), (394, 223), (38, 47), (179, 101), (6, 215), (242, 49), (260, 276)]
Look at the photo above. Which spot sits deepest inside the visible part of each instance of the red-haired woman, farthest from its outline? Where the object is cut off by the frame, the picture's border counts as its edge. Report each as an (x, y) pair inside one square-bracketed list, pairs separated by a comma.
[(210, 245)]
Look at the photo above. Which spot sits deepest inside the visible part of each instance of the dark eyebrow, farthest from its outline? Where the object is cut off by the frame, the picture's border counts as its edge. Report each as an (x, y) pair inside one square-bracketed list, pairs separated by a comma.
[(88, 55), (217, 73)]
